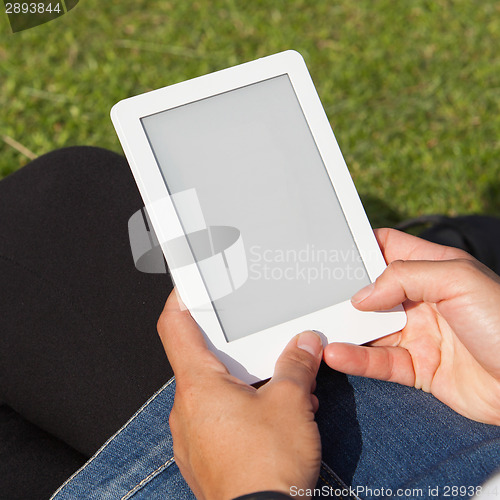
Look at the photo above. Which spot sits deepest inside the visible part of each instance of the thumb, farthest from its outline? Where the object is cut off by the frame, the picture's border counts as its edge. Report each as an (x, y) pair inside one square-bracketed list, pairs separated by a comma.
[(300, 360), (184, 343)]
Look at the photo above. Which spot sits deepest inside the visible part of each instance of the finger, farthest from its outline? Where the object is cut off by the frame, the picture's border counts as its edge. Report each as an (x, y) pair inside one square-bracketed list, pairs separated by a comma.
[(314, 403), (396, 245), (393, 364), (419, 281), (183, 341), (300, 360)]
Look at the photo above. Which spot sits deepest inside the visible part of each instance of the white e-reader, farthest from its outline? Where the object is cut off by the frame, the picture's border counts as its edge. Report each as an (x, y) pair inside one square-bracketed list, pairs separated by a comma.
[(255, 210)]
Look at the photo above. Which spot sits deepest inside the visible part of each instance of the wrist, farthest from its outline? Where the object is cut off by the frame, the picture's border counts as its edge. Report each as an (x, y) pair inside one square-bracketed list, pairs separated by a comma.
[(239, 484), (255, 492), (264, 495)]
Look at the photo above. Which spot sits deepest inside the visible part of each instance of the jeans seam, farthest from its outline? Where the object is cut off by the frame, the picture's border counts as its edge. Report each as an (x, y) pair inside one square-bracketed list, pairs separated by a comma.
[(335, 478), (462, 452), (123, 427), (148, 478)]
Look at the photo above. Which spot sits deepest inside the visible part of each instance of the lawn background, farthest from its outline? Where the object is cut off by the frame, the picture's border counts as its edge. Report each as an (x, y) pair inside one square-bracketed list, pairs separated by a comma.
[(411, 88)]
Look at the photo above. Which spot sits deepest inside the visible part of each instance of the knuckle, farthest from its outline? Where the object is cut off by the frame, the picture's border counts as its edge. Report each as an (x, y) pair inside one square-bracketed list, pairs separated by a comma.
[(183, 387), (187, 397), (287, 387), (393, 271), (172, 420), (172, 320), (396, 266), (467, 266), (162, 322), (303, 360), (458, 253)]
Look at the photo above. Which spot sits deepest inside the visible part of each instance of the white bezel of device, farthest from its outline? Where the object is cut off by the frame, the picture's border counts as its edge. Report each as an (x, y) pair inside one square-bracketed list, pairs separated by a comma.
[(252, 358)]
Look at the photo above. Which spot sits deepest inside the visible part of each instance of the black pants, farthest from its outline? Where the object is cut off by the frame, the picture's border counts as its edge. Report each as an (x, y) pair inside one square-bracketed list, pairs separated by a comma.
[(79, 351)]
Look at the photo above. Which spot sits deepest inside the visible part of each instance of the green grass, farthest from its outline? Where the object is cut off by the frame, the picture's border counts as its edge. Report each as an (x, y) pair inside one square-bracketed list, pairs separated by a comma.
[(411, 88)]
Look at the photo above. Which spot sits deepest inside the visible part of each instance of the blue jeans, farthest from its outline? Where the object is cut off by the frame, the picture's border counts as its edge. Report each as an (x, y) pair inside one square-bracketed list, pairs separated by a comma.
[(380, 439)]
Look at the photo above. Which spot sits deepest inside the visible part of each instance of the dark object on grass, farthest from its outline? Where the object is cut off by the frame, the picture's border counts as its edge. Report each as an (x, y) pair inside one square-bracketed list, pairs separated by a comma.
[(477, 234)]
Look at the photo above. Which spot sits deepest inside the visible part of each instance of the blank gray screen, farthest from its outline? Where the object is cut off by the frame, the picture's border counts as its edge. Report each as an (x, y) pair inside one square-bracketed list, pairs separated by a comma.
[(252, 159)]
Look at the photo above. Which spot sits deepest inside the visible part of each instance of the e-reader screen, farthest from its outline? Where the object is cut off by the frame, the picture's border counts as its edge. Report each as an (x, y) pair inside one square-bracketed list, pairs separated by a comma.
[(254, 164)]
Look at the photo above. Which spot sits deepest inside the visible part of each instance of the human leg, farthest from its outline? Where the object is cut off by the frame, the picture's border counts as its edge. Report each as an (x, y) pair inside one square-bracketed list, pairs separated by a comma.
[(79, 351), (137, 461), (378, 434), (73, 366), (32, 462)]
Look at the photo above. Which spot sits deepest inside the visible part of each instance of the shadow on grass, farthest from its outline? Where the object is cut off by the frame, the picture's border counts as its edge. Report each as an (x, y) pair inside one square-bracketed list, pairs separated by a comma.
[(380, 213), (491, 198)]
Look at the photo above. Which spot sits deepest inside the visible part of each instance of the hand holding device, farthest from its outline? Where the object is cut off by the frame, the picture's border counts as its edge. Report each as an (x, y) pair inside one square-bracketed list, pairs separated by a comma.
[(231, 439), (450, 345)]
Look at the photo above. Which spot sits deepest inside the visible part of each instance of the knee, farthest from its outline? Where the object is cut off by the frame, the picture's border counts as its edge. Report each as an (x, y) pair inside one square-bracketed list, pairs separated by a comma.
[(78, 161), (74, 178)]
